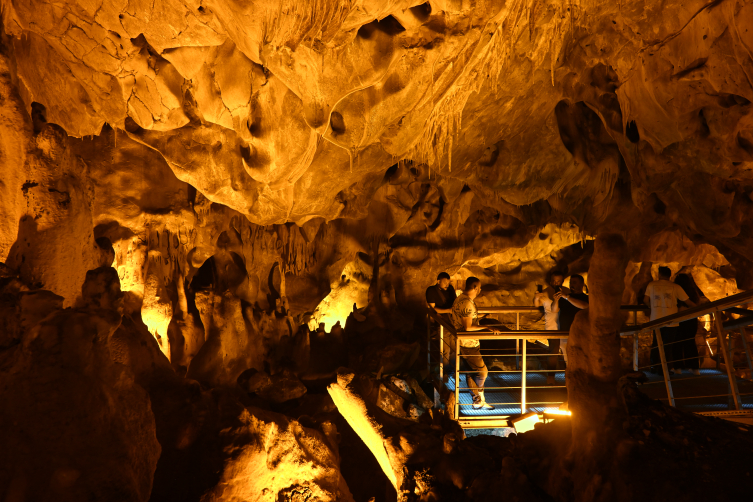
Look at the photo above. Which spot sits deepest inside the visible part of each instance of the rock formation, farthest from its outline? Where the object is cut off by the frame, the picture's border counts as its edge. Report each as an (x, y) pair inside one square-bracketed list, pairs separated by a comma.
[(210, 208)]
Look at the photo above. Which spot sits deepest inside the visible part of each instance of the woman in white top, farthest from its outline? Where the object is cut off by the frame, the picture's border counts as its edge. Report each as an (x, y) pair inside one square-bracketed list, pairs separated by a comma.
[(545, 299)]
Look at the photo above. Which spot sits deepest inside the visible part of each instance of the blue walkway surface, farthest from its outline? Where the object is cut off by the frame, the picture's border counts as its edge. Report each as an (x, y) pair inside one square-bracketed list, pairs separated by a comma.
[(507, 401), (705, 393)]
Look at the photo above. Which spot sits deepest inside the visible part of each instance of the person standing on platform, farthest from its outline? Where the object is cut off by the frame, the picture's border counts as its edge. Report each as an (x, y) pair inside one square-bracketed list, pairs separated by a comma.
[(661, 297), (464, 316), (545, 299), (568, 302), (441, 295), (686, 350)]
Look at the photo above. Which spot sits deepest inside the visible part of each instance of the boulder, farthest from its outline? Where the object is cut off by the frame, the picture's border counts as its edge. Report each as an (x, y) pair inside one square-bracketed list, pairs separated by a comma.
[(76, 425), (267, 456)]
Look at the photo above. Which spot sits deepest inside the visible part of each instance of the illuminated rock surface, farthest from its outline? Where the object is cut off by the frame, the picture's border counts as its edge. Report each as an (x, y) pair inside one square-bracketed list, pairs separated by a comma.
[(275, 183)]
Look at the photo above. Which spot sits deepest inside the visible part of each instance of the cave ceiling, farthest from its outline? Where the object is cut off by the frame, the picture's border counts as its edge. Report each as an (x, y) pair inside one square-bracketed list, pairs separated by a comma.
[(463, 132)]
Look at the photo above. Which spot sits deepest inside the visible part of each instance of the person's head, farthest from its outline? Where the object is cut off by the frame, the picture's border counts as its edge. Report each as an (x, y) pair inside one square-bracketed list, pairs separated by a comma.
[(686, 282), (577, 283), (472, 286), (557, 278), (443, 279), (665, 273)]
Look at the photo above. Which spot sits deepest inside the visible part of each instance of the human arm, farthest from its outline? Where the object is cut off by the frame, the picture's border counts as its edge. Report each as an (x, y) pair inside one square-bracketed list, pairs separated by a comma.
[(556, 302), (439, 311), (468, 326), (538, 299), (581, 304), (683, 296)]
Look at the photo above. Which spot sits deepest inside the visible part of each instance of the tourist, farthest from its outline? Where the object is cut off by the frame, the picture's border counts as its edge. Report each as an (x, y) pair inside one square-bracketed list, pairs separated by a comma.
[(545, 300), (441, 295), (568, 302), (464, 316), (685, 350), (661, 297)]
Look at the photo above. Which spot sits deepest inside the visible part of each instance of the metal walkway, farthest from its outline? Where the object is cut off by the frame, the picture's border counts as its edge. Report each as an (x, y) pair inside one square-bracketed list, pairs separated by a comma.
[(708, 393), (504, 392), (521, 389)]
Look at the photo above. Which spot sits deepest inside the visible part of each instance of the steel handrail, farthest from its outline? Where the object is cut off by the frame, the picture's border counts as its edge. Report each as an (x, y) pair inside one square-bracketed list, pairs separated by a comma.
[(512, 335), (693, 312), (729, 304), (506, 310)]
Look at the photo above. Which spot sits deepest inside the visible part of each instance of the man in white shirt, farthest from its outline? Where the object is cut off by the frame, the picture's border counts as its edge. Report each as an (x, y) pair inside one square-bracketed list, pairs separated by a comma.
[(464, 316), (662, 296)]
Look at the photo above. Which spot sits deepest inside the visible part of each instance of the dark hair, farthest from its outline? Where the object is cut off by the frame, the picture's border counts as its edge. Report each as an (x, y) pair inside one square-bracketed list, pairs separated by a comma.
[(471, 282), (556, 272), (443, 275), (577, 276), (665, 272), (686, 282)]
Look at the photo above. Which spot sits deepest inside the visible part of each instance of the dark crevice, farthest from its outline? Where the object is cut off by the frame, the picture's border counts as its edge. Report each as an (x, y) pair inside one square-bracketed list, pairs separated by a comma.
[(631, 131), (337, 123), (191, 194), (38, 116), (389, 25), (205, 276), (705, 131), (695, 65), (436, 223), (421, 12)]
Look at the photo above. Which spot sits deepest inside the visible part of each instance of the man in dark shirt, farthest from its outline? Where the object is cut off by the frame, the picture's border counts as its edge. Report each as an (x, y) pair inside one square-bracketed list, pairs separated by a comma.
[(569, 302), (441, 295)]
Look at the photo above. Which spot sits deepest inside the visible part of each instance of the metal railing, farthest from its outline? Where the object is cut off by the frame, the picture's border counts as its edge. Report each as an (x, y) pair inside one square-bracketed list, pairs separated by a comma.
[(633, 329), (723, 331), (521, 355)]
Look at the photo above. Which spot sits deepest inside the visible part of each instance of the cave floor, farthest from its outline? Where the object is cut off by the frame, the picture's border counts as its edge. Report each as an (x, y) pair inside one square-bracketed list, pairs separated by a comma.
[(705, 393)]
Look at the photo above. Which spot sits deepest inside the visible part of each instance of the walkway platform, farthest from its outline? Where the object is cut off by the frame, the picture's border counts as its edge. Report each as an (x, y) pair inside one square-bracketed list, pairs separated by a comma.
[(540, 398), (716, 391), (707, 394)]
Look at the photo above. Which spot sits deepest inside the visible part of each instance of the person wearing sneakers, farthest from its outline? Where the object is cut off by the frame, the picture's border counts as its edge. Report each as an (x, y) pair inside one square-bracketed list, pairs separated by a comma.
[(686, 350), (661, 297), (464, 316)]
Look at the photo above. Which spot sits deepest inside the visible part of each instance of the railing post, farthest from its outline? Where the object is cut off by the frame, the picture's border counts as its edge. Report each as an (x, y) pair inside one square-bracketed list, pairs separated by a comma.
[(457, 376), (747, 351), (523, 407), (635, 352), (667, 382), (727, 360), (441, 353), (517, 321)]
